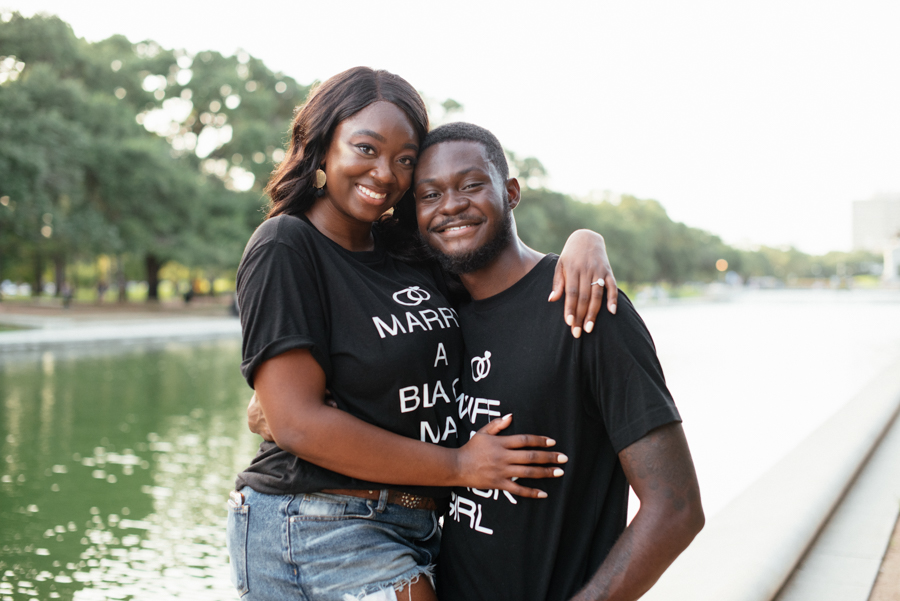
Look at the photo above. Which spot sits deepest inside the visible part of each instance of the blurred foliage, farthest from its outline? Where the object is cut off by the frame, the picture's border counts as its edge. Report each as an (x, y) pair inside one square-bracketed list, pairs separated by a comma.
[(131, 150), (645, 245)]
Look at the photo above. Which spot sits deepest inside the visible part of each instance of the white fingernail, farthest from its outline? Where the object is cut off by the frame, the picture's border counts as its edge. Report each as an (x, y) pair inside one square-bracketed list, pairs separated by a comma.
[(550, 441), (542, 494), (508, 415), (570, 319), (612, 309), (558, 472), (562, 458), (576, 332), (589, 326)]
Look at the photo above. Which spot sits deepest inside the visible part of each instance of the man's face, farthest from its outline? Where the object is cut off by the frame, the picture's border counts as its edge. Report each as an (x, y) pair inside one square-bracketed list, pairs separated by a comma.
[(463, 206)]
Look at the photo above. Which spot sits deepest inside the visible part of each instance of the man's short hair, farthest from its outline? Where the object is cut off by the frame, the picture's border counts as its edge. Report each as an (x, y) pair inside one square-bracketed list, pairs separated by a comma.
[(467, 132)]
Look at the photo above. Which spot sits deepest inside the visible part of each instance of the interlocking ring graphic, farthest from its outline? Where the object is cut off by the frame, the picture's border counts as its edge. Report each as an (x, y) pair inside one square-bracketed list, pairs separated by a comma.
[(481, 366), (413, 294)]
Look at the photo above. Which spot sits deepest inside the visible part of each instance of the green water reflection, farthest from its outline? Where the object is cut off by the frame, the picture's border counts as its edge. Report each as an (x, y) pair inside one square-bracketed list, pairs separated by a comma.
[(115, 472)]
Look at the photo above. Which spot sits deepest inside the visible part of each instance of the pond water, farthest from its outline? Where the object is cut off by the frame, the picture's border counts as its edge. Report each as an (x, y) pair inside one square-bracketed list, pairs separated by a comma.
[(115, 473), (115, 467)]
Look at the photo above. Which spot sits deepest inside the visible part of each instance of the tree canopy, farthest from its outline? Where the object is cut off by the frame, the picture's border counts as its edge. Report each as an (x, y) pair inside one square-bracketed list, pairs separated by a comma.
[(154, 155)]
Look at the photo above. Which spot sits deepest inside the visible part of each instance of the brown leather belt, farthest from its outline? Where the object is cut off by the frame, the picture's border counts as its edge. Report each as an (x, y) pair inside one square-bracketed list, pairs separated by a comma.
[(404, 499)]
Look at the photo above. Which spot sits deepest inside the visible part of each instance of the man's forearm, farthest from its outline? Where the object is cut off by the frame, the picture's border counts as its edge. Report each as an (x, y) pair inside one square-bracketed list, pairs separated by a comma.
[(660, 469), (643, 552)]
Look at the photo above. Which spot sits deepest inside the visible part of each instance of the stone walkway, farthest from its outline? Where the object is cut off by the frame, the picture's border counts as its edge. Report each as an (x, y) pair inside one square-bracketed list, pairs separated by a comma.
[(887, 586)]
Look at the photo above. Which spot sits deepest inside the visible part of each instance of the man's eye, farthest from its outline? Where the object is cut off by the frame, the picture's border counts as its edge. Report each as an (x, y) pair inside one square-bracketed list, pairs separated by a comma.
[(408, 161)]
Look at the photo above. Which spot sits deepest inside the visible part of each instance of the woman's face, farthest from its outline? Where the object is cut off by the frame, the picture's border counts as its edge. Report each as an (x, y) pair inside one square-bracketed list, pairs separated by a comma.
[(370, 162)]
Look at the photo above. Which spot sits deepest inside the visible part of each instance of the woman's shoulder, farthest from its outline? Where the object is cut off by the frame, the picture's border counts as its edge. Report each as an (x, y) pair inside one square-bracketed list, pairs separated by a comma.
[(281, 244), (287, 230), (282, 228)]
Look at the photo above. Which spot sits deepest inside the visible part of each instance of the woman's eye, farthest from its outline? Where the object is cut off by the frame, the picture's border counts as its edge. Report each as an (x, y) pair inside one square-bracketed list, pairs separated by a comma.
[(366, 149), (408, 161)]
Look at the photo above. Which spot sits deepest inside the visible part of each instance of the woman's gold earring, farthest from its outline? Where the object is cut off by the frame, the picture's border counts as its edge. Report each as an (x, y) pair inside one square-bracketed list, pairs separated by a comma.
[(321, 178)]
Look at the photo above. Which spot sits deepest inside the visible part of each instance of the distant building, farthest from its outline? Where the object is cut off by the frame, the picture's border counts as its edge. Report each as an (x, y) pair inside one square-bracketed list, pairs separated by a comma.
[(876, 222)]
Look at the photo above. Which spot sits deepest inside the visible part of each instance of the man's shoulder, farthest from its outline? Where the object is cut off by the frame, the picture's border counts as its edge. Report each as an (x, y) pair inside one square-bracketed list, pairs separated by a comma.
[(521, 314), (626, 317), (535, 285)]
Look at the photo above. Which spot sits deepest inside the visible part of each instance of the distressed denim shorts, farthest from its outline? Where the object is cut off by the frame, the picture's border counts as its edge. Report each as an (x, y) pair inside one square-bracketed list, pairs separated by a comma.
[(326, 547)]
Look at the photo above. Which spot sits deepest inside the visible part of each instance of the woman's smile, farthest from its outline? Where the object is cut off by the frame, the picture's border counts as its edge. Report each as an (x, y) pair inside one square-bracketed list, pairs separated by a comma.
[(371, 193)]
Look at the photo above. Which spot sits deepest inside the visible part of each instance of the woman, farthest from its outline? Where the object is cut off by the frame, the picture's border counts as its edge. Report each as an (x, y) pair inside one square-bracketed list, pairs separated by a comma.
[(342, 506)]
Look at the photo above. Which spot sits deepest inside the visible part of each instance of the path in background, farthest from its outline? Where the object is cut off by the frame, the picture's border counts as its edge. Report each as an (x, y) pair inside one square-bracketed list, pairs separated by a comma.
[(51, 308), (107, 327)]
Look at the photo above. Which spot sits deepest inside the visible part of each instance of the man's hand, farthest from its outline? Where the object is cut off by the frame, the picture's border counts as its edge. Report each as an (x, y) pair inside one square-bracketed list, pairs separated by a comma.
[(661, 472), (256, 420)]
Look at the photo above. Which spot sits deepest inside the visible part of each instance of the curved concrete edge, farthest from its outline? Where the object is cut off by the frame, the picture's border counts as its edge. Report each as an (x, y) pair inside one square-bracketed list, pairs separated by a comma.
[(118, 332), (844, 561), (747, 551)]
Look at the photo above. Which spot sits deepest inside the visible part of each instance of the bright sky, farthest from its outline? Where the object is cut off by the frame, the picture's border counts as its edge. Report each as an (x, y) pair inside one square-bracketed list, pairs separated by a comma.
[(759, 121)]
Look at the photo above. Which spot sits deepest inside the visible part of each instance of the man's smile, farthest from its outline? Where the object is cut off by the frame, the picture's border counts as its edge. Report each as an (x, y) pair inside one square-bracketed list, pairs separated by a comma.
[(457, 226)]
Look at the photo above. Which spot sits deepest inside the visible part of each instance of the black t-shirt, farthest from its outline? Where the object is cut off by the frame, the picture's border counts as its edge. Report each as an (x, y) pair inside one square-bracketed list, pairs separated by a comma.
[(382, 330), (594, 395)]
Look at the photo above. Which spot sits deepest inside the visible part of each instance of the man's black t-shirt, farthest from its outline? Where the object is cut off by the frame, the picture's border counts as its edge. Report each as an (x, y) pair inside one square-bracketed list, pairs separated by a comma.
[(382, 330), (594, 395)]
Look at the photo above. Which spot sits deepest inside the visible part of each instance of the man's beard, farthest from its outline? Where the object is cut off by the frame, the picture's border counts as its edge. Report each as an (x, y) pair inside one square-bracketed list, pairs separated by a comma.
[(481, 257)]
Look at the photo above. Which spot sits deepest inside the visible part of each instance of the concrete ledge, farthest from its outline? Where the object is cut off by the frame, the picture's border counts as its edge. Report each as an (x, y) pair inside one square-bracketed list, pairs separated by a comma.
[(749, 549), (843, 563), (124, 331)]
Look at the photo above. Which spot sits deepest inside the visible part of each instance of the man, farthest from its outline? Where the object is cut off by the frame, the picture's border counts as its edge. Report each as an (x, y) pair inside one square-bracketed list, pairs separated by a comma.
[(603, 398)]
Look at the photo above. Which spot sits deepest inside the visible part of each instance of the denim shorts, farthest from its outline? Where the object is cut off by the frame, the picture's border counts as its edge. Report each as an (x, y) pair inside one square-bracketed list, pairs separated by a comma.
[(326, 547)]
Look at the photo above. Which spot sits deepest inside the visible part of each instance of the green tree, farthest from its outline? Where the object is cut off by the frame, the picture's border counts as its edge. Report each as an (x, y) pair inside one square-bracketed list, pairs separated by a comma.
[(42, 169), (125, 148)]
